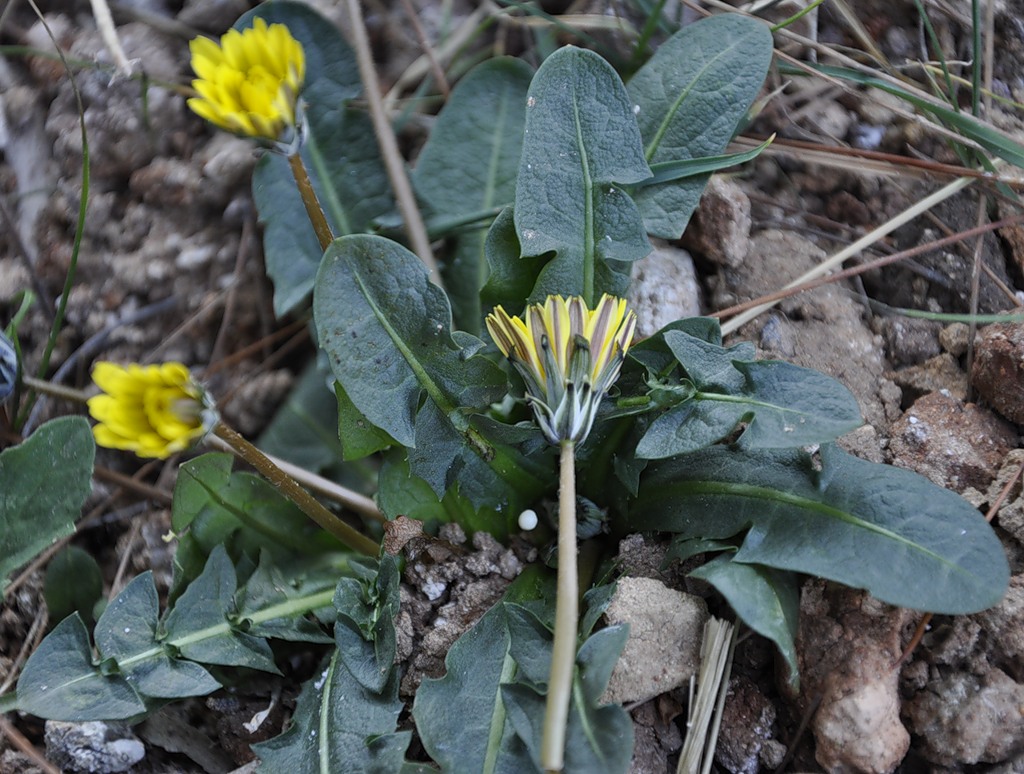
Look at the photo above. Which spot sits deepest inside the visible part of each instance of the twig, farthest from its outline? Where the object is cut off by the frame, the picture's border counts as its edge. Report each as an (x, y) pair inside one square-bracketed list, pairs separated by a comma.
[(428, 50), (23, 744), (105, 24), (393, 162)]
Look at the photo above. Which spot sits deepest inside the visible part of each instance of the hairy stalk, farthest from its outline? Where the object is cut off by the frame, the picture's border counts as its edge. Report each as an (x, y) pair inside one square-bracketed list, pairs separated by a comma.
[(567, 613), (309, 199), (290, 488)]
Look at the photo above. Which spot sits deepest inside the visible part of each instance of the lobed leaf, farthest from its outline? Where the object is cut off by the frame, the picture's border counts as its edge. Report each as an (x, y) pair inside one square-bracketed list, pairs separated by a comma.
[(890, 531)]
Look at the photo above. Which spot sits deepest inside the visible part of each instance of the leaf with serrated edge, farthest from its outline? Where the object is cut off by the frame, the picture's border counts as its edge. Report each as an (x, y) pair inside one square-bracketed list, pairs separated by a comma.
[(690, 97), (890, 531), (339, 726), (581, 143), (43, 483)]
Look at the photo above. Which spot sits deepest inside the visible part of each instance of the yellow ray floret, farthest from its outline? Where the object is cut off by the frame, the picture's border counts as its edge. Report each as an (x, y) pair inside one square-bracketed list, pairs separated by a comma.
[(153, 410), (568, 355), (249, 84)]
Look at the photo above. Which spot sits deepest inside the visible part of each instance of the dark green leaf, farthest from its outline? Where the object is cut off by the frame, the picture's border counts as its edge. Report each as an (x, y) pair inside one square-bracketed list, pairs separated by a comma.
[(73, 584), (61, 682), (127, 633), (690, 97), (43, 483), (581, 142), (890, 531), (461, 717), (469, 164), (339, 725), (359, 436), (767, 600), (200, 624), (303, 429), (268, 587)]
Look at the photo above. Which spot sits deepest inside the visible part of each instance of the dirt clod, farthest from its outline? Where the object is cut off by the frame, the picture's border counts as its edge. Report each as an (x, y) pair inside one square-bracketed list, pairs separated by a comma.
[(998, 370)]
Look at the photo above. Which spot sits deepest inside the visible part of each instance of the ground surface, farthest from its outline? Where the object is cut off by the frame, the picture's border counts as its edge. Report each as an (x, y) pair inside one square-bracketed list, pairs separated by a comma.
[(171, 269)]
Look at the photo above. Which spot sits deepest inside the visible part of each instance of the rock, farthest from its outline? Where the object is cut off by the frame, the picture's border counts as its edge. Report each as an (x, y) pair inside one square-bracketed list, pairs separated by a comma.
[(663, 649), (747, 724), (95, 747), (1004, 627), (656, 735), (939, 374), (821, 329), (964, 719), (664, 289), (858, 728), (998, 370), (846, 645), (720, 228), (953, 339), (956, 445), (910, 341), (1011, 514)]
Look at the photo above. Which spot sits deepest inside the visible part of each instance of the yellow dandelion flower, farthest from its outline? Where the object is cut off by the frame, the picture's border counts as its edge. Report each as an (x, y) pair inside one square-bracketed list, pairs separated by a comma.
[(249, 84), (569, 357), (153, 410)]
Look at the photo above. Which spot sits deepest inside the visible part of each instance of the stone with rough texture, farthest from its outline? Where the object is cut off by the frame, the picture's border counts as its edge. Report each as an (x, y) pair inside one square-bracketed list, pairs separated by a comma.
[(665, 630), (964, 718), (846, 646), (956, 445), (720, 228), (747, 721), (998, 370), (664, 289), (94, 746)]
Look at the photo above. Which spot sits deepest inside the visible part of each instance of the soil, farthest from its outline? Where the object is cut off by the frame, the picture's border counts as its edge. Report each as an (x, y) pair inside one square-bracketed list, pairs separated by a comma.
[(170, 268)]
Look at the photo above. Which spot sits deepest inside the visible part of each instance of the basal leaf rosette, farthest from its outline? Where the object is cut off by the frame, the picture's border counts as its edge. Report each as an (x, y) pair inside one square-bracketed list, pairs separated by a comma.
[(568, 355), (154, 410), (249, 83)]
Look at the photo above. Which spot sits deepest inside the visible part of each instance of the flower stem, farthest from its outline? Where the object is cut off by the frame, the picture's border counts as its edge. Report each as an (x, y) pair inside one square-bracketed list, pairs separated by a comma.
[(313, 209), (287, 486), (567, 604)]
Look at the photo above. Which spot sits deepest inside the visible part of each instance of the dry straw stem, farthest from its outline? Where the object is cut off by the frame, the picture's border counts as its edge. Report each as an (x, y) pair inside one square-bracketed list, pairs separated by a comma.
[(393, 161), (105, 24), (716, 652)]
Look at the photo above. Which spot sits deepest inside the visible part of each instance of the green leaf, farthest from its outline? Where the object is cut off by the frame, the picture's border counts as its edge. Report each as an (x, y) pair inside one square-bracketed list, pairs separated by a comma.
[(128, 633), (511, 277), (668, 171), (302, 430), (240, 510), (43, 483), (339, 725), (387, 331), (691, 95), (581, 143), (359, 436), (767, 600), (890, 531), (469, 164), (201, 627), (340, 153), (269, 587), (60, 681), (782, 405), (365, 631), (461, 717), (73, 584)]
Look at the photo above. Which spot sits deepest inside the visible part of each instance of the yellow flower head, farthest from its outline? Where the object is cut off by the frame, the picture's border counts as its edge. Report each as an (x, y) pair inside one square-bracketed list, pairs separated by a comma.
[(250, 83), (154, 410), (568, 355)]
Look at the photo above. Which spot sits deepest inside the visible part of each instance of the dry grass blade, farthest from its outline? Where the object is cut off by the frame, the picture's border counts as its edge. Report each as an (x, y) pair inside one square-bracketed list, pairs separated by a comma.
[(706, 707)]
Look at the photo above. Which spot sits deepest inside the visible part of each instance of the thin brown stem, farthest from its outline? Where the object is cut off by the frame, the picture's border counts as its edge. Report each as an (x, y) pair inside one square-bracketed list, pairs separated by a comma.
[(290, 488), (393, 162), (315, 212), (567, 613)]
